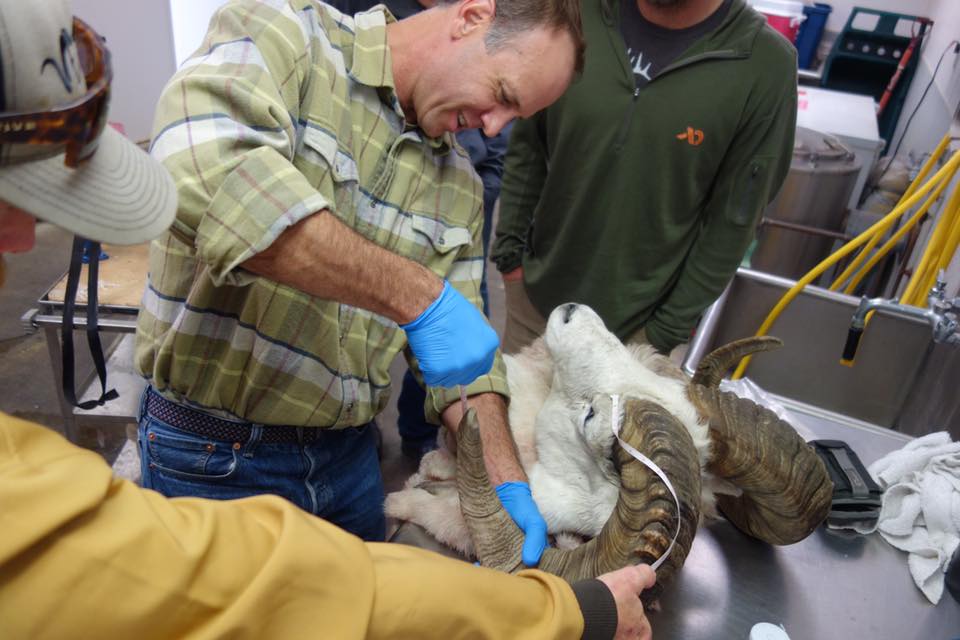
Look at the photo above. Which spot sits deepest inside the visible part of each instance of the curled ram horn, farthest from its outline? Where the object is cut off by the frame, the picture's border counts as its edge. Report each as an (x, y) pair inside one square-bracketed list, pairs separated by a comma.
[(786, 490), (642, 524)]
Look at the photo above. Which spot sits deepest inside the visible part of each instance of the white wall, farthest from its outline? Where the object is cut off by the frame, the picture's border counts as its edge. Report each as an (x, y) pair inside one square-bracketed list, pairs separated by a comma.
[(139, 35), (190, 20), (939, 107), (946, 17)]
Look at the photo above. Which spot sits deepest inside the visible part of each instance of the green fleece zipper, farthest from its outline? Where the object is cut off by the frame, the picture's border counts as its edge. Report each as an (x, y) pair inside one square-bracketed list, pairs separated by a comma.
[(726, 54), (609, 17)]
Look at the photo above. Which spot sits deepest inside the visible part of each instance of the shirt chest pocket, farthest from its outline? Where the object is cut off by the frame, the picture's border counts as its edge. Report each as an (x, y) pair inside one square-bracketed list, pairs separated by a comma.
[(333, 173), (429, 234)]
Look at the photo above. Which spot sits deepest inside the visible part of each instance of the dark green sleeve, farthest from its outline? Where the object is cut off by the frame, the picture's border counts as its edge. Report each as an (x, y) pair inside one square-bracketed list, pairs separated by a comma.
[(523, 178), (749, 178)]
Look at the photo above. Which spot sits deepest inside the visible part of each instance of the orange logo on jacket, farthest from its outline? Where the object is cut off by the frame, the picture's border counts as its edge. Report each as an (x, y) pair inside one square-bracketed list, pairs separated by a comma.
[(694, 137)]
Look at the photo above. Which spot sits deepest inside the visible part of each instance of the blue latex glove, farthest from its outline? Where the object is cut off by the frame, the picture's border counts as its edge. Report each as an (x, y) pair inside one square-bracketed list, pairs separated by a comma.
[(452, 340), (517, 500)]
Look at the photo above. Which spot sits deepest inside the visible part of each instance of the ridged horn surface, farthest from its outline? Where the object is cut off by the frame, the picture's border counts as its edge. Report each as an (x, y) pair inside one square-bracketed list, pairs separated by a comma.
[(497, 540), (715, 364), (786, 490), (642, 523)]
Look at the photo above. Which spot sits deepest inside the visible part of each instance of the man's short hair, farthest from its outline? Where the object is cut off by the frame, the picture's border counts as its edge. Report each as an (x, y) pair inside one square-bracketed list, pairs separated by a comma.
[(515, 16)]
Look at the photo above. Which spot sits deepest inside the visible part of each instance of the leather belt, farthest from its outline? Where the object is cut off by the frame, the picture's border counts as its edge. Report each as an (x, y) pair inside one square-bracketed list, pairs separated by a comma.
[(203, 424)]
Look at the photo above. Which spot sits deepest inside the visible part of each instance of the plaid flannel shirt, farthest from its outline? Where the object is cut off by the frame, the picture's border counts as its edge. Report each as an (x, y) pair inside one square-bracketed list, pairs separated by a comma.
[(288, 108)]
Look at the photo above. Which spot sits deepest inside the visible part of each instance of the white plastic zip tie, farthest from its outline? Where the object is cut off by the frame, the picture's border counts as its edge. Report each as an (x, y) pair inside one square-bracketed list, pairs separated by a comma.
[(463, 398)]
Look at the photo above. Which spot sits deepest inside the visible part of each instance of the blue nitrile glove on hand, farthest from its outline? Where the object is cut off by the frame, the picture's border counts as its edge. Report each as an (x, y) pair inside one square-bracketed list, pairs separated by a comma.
[(451, 340), (517, 500)]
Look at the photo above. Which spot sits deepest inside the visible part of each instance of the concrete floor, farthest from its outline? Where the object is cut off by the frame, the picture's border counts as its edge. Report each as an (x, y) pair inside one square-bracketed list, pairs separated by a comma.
[(28, 388)]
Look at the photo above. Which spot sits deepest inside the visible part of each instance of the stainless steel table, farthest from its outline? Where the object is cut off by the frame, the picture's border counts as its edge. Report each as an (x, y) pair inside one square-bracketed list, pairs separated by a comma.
[(831, 585), (121, 281)]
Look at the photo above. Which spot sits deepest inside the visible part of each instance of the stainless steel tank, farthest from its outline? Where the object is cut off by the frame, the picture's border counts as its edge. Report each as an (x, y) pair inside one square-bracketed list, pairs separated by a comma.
[(801, 224)]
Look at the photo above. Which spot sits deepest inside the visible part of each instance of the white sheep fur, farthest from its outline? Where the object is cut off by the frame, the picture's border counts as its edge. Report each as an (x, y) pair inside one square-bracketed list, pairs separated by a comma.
[(561, 388)]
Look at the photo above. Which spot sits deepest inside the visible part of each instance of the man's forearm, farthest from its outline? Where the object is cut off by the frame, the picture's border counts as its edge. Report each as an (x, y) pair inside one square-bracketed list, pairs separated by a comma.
[(499, 451), (323, 257)]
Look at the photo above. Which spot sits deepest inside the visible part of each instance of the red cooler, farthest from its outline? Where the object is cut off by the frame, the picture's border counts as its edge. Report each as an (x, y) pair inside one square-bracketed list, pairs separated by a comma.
[(783, 15)]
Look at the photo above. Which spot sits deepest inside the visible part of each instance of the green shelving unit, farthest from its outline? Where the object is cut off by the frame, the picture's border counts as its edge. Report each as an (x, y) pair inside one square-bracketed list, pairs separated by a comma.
[(864, 60)]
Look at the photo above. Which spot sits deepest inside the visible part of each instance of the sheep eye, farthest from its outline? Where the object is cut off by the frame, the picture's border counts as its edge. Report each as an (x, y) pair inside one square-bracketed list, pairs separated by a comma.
[(590, 414)]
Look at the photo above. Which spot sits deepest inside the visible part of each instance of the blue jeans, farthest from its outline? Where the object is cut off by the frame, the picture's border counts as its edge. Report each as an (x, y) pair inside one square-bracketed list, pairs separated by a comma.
[(337, 476), (413, 427)]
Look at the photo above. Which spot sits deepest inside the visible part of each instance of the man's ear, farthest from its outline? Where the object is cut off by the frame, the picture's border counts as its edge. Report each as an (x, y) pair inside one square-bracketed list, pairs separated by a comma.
[(473, 15)]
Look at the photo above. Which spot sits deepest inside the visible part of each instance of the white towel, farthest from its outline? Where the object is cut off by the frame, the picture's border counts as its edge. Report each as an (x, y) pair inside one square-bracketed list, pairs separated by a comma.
[(921, 506)]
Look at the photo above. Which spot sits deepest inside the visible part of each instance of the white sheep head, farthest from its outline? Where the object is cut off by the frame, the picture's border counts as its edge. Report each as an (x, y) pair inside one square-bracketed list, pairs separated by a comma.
[(784, 489)]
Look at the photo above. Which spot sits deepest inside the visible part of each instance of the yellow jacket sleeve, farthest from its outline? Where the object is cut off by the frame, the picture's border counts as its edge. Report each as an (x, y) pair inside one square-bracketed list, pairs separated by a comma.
[(83, 553)]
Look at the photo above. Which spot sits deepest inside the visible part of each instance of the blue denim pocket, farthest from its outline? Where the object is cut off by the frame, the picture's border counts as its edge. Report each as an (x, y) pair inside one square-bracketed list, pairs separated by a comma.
[(184, 455)]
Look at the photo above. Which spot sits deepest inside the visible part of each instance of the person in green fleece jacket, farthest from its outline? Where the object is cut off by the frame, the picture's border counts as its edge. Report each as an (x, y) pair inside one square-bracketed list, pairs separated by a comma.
[(638, 192)]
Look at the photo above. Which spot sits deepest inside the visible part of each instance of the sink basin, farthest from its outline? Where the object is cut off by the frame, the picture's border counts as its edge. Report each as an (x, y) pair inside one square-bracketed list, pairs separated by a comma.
[(900, 379)]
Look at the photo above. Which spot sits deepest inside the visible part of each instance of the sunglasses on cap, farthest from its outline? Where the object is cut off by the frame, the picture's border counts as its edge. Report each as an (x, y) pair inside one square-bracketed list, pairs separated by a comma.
[(79, 123)]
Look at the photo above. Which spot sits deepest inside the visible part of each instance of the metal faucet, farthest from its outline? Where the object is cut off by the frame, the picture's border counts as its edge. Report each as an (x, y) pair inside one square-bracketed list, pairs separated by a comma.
[(941, 313)]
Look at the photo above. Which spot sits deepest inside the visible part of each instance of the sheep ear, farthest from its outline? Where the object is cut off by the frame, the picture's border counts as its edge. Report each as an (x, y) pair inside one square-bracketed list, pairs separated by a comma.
[(786, 490)]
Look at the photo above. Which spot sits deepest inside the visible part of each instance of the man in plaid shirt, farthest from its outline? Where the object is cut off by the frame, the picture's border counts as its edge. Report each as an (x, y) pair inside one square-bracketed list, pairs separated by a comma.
[(326, 221)]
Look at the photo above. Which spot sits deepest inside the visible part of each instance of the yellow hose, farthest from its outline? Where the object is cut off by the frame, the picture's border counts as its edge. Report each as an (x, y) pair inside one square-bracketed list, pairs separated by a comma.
[(846, 249), (946, 253), (927, 166), (926, 270), (924, 170), (952, 244), (895, 238)]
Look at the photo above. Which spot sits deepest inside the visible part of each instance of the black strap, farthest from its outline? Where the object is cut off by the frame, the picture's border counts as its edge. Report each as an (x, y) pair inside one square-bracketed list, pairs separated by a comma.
[(93, 334)]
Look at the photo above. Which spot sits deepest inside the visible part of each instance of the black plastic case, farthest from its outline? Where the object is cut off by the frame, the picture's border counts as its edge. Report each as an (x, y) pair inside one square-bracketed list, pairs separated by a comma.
[(856, 497)]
